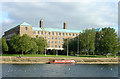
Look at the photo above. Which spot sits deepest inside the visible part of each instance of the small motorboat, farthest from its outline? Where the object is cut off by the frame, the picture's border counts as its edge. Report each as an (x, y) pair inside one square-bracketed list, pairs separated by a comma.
[(62, 61)]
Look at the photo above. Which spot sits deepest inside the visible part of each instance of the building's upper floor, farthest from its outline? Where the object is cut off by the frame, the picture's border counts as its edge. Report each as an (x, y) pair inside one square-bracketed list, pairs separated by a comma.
[(25, 28)]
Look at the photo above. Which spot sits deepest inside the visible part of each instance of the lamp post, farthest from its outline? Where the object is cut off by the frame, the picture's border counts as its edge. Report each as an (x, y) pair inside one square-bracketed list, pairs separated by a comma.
[(56, 52), (45, 47), (67, 47), (45, 42), (78, 47)]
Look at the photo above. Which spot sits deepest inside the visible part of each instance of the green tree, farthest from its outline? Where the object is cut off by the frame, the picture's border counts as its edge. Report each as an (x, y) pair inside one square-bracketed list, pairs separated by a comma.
[(54, 51), (108, 41), (0, 46), (41, 42), (87, 41), (14, 43), (25, 44), (34, 47), (4, 45), (98, 44)]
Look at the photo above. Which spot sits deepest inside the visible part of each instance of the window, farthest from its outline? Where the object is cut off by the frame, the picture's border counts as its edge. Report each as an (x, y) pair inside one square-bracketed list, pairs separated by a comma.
[(73, 34), (45, 37), (52, 41), (56, 38), (59, 46), (59, 41), (55, 41), (41, 32), (45, 33), (63, 34), (52, 33), (26, 28), (38, 32), (62, 45), (52, 38), (62, 38), (55, 45), (49, 33), (59, 33), (69, 34), (52, 45), (66, 34), (59, 38)]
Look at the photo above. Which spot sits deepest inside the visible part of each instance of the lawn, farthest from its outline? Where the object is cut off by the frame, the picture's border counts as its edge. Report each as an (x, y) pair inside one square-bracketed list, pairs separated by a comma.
[(36, 55), (42, 55), (97, 56)]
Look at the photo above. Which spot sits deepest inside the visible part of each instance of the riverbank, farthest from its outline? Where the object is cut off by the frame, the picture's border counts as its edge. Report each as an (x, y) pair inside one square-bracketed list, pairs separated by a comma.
[(45, 60)]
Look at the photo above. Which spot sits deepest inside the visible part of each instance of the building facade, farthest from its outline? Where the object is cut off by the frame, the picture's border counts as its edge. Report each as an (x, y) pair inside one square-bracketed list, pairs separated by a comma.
[(55, 37)]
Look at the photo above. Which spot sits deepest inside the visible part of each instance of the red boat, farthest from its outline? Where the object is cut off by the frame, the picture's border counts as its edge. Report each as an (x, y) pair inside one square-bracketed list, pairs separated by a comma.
[(62, 61)]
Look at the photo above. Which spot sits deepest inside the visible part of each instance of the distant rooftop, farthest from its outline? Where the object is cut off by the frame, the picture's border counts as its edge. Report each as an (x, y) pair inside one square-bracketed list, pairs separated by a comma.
[(25, 24), (56, 30), (52, 29)]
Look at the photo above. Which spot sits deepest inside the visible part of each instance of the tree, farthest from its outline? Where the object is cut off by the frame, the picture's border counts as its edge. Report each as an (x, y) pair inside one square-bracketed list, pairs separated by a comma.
[(25, 44), (108, 41), (0, 46), (4, 45), (98, 44), (34, 47), (53, 51), (91, 41), (41, 44), (14, 44), (87, 41)]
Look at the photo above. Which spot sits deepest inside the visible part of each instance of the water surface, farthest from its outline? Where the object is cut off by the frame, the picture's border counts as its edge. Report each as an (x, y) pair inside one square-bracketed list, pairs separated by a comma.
[(59, 70)]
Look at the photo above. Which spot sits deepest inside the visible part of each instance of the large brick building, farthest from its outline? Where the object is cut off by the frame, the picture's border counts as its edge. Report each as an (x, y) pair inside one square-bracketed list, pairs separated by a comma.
[(55, 37)]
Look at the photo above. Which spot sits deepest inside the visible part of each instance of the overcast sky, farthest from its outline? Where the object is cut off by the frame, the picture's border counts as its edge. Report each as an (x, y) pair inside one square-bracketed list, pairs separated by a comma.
[(78, 15)]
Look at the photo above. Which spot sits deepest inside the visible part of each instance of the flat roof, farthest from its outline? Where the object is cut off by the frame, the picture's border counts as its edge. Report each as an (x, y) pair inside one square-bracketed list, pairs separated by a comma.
[(55, 30), (52, 29)]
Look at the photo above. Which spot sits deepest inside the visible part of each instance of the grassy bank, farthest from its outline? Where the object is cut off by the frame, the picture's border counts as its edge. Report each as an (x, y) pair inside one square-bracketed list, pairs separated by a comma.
[(42, 55), (43, 60)]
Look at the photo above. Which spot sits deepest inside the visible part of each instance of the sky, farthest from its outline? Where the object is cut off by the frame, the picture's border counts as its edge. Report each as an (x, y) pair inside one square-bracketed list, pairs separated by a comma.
[(79, 15)]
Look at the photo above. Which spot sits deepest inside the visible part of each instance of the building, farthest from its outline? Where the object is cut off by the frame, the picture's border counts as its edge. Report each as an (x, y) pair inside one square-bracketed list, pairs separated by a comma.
[(54, 37)]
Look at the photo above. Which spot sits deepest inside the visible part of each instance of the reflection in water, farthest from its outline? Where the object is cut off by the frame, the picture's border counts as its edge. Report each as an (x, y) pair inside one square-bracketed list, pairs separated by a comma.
[(59, 70)]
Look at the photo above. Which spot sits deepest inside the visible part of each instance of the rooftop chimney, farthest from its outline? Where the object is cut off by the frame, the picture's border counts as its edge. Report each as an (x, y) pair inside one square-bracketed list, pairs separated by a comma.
[(65, 25), (41, 23)]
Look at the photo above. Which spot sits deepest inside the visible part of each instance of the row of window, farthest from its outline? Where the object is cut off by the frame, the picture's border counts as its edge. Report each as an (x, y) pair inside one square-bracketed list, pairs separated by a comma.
[(56, 46), (56, 33), (55, 42), (54, 37)]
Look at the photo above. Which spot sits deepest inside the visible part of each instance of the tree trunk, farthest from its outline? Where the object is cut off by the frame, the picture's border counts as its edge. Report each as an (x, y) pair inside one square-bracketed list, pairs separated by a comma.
[(106, 55), (22, 52), (87, 53), (114, 55)]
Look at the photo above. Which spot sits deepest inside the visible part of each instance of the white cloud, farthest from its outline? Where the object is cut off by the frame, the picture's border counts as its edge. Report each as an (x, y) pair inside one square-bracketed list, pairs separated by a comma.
[(87, 1), (6, 21), (78, 15)]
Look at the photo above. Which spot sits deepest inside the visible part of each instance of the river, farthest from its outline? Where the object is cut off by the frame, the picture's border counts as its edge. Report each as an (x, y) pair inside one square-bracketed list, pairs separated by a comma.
[(59, 70)]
